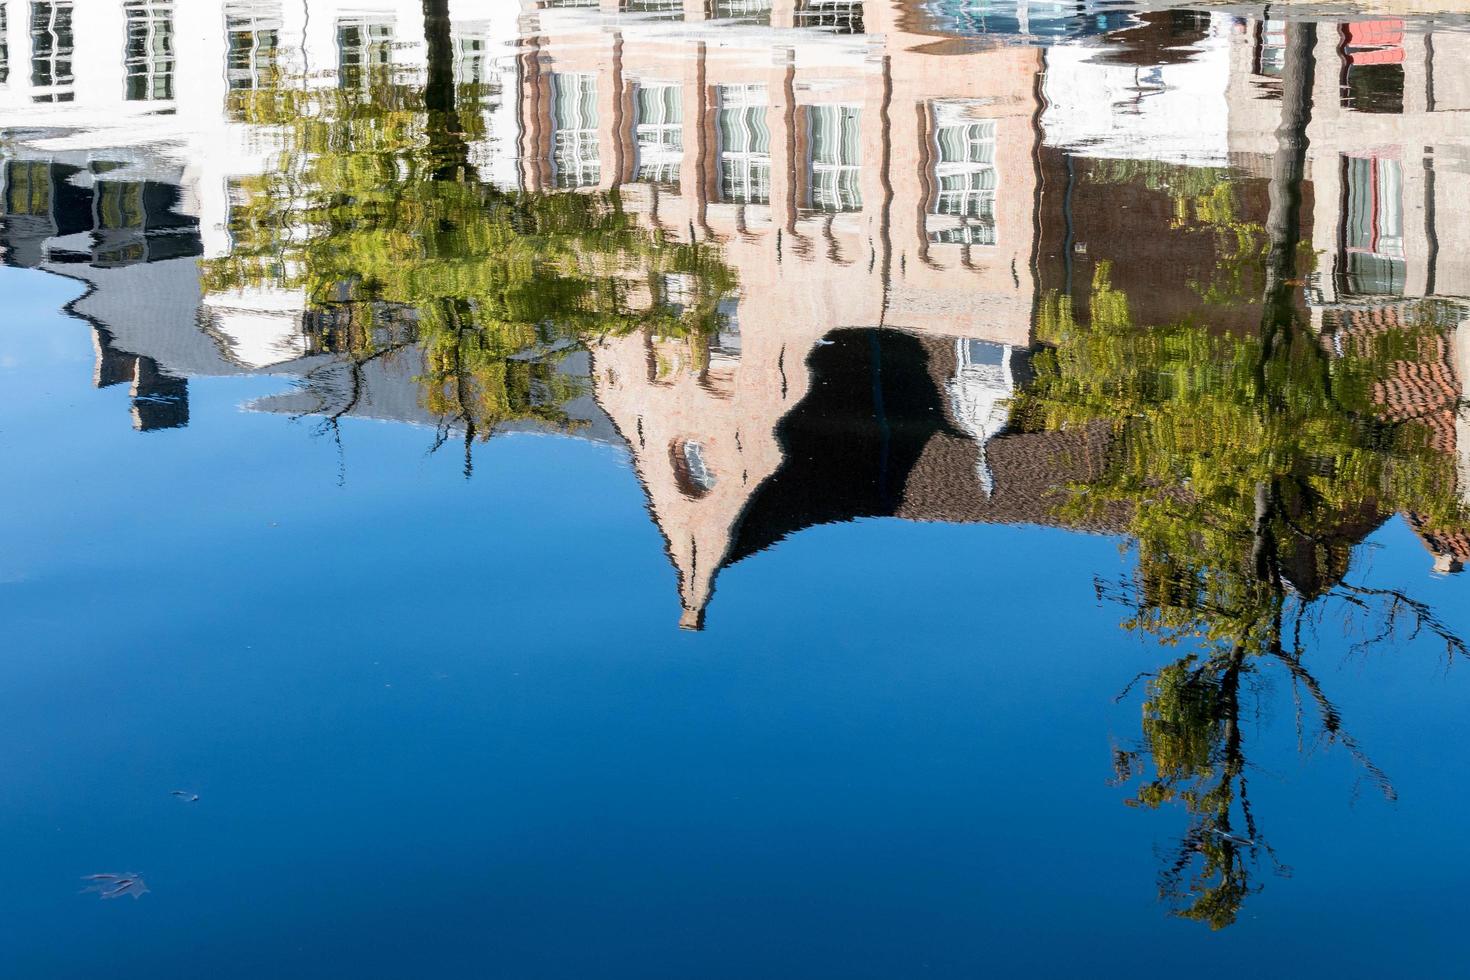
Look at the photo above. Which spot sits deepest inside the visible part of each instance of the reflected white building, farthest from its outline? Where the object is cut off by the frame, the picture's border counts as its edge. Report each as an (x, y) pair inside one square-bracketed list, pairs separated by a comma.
[(125, 115), (1174, 110), (857, 171)]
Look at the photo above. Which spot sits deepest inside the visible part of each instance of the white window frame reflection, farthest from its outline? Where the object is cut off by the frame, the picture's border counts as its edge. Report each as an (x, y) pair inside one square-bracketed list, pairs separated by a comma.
[(837, 16), (576, 154), (750, 12), (658, 131), (966, 179), (253, 64), (4, 44), (149, 51), (1270, 55), (745, 144), (472, 58), (654, 9), (53, 45), (370, 59), (834, 158), (1373, 225)]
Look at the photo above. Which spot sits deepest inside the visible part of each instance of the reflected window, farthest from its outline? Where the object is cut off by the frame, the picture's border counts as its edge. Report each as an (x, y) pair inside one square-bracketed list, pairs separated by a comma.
[(691, 470), (838, 16), (471, 60), (834, 164), (660, 9), (119, 204), (364, 52), (979, 397), (1373, 66), (28, 188), (1049, 19), (745, 145), (659, 132), (1269, 56), (1372, 232), (963, 206), (676, 292), (726, 345), (575, 153), (253, 33), (52, 46), (149, 53), (754, 12), (474, 66)]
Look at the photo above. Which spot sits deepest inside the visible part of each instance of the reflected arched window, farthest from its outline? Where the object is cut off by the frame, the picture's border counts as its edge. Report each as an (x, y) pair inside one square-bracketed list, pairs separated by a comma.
[(691, 469)]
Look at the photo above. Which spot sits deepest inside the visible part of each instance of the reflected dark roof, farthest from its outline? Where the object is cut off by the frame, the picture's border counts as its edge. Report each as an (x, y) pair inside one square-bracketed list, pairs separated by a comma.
[(61, 213), (848, 447), (873, 438)]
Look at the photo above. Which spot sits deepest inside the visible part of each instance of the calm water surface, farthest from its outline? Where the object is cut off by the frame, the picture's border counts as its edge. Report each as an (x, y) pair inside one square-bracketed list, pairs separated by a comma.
[(750, 489)]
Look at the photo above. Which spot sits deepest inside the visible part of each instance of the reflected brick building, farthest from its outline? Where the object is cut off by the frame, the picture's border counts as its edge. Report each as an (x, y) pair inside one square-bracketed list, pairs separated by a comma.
[(1390, 170), (894, 187), (874, 190)]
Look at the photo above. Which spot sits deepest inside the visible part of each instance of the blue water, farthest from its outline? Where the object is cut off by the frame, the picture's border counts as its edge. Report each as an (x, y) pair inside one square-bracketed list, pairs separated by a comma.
[(442, 727)]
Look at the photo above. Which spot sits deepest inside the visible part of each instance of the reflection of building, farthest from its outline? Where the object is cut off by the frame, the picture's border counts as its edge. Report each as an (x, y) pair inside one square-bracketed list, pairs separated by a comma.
[(1387, 155), (866, 181), (851, 182), (1389, 167), (893, 189), (125, 128), (110, 225), (1019, 21), (1428, 387)]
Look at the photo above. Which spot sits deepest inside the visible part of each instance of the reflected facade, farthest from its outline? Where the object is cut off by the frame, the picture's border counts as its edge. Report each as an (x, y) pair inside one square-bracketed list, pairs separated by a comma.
[(855, 168), (1195, 280)]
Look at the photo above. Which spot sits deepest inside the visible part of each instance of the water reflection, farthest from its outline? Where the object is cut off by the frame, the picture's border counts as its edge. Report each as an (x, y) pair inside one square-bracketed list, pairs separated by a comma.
[(1185, 277)]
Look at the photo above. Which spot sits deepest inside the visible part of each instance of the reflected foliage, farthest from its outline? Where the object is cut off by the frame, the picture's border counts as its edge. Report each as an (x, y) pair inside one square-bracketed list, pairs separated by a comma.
[(376, 213), (1250, 463)]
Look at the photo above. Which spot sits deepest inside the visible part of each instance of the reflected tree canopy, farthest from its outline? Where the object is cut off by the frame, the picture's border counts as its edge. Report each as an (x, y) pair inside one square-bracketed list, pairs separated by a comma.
[(1251, 464), (376, 213)]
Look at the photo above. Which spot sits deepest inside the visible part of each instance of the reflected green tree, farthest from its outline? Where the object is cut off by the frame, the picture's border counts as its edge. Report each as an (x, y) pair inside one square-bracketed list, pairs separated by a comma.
[(1250, 464), (377, 214)]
